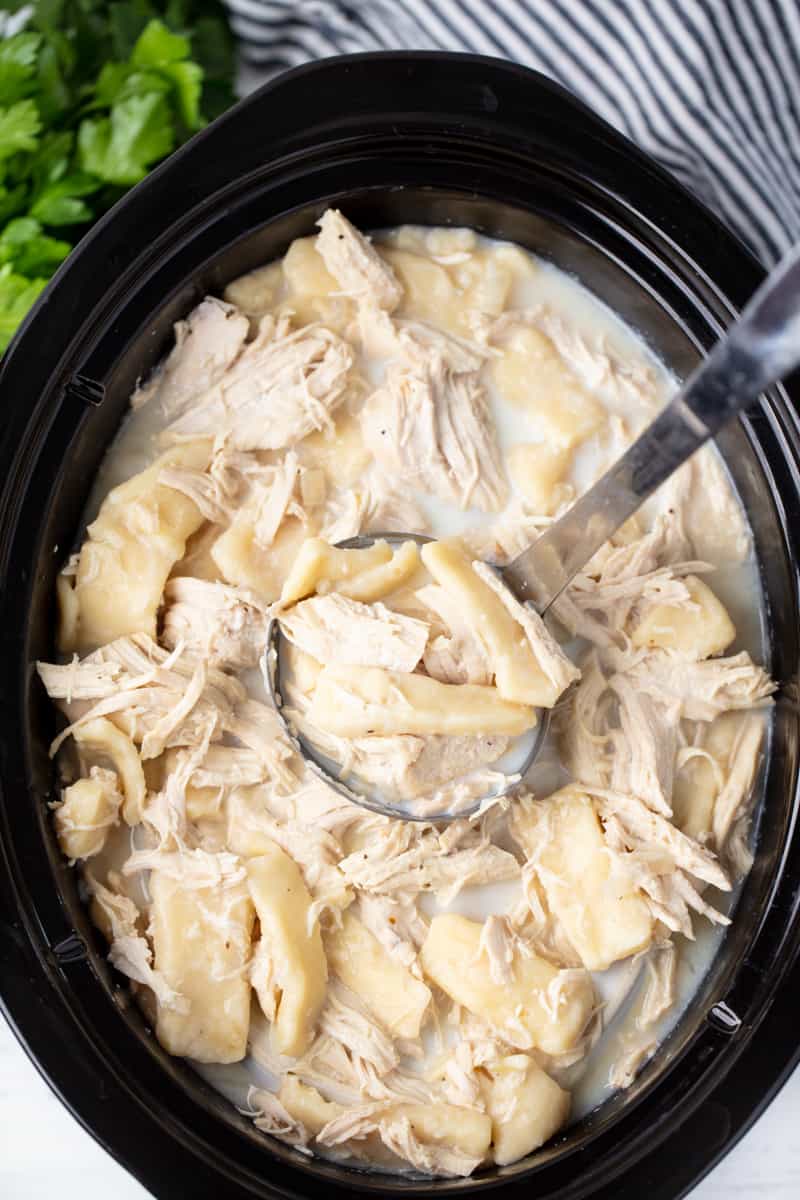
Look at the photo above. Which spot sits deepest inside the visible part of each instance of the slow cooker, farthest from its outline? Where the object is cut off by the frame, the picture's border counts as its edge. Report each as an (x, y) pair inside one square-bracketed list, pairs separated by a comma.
[(437, 139)]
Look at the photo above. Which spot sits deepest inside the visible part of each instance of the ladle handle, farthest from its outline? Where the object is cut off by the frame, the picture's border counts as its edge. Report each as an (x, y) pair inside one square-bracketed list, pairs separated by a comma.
[(760, 348)]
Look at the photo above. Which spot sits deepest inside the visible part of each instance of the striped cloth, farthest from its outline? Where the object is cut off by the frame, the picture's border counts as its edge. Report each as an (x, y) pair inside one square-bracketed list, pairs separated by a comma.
[(710, 88)]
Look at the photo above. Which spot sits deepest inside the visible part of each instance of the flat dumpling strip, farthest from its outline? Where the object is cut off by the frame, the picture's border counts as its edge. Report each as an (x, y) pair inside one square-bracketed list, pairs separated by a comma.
[(593, 359), (201, 941), (88, 809), (334, 629), (410, 765), (603, 914), (284, 385), (259, 820), (355, 264), (697, 625), (132, 545), (531, 375), (102, 739), (289, 970), (396, 999), (528, 665), (550, 658), (433, 428), (365, 574), (526, 1106), (356, 701), (539, 1006)]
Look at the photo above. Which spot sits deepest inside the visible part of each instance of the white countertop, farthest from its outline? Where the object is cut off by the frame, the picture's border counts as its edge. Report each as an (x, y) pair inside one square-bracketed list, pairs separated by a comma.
[(44, 1152)]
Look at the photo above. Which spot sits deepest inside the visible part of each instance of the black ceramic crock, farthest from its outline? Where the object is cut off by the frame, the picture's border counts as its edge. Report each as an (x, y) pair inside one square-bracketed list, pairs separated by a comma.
[(436, 139)]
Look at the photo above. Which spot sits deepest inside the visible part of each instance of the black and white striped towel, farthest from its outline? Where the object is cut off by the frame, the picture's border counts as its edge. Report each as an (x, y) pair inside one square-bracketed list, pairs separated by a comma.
[(711, 88)]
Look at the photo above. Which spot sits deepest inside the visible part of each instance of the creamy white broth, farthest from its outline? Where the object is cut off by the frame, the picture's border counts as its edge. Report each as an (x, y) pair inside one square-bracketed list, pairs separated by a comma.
[(736, 583)]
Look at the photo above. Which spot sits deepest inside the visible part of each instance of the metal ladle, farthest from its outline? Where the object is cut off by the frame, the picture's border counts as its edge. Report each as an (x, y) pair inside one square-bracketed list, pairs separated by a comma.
[(758, 349)]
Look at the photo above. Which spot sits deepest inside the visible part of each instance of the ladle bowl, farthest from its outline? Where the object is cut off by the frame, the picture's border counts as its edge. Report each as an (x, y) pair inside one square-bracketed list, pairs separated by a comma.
[(348, 784)]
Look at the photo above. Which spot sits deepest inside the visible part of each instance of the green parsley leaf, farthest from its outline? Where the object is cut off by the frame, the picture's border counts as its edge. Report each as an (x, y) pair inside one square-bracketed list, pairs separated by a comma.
[(13, 200), (126, 22), (19, 128), (118, 81), (54, 96), (29, 251), (18, 66), (17, 295), (120, 148), (157, 47), (58, 202), (51, 158), (187, 79)]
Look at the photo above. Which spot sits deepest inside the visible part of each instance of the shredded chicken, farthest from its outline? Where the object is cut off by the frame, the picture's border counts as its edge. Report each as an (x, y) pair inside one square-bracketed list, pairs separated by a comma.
[(636, 1049), (732, 804), (376, 505), (498, 942), (660, 984), (644, 746), (355, 264), (433, 428), (334, 629), (650, 829), (395, 1129), (397, 924), (227, 625), (283, 386), (703, 689), (129, 952), (584, 724), (455, 655), (206, 344), (622, 579), (270, 1116), (166, 698), (715, 522), (402, 859)]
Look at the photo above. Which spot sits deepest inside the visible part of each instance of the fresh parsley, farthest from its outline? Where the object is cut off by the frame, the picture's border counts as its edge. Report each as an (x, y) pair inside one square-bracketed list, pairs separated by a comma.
[(92, 96)]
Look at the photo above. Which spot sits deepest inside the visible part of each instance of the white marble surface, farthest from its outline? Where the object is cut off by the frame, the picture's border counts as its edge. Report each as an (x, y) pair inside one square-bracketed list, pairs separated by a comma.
[(44, 1152)]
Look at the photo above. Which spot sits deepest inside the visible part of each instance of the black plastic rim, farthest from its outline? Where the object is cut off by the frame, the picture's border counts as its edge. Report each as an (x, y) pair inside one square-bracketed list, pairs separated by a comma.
[(408, 136)]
